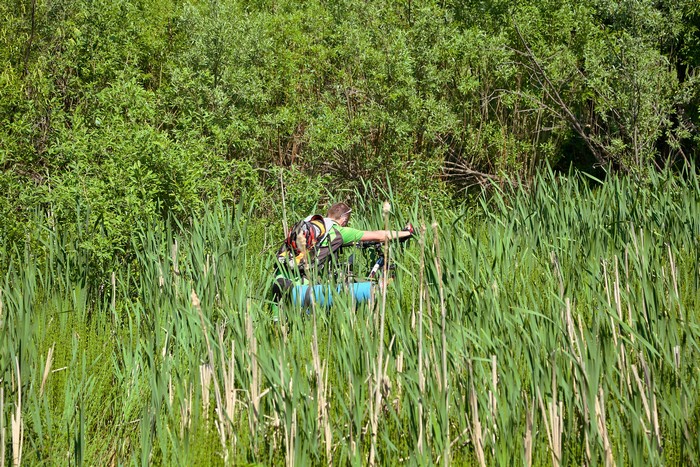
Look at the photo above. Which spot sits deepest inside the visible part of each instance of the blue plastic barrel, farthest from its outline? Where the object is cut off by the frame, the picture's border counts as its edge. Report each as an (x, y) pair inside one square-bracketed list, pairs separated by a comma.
[(323, 294)]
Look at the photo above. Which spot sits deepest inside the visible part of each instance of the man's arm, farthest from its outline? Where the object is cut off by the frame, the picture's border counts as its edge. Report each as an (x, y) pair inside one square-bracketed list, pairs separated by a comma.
[(383, 235)]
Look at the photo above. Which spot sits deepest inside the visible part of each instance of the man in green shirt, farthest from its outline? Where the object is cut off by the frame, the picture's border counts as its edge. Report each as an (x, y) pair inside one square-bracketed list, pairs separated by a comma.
[(336, 222)]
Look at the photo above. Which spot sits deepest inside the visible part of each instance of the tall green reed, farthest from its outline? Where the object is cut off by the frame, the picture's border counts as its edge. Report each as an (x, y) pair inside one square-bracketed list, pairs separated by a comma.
[(556, 323)]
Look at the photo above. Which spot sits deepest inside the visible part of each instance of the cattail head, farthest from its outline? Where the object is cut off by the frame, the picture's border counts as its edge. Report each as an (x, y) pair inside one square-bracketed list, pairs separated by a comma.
[(195, 299)]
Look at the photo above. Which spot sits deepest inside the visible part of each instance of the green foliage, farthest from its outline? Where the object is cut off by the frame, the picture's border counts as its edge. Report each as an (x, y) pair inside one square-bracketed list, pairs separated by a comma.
[(146, 108), (511, 318)]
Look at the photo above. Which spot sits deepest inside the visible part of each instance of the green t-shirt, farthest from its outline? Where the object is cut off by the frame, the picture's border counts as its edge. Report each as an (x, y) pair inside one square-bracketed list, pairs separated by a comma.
[(349, 235)]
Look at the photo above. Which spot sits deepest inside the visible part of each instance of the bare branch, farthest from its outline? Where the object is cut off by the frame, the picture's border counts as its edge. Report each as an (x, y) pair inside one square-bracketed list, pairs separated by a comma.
[(543, 79)]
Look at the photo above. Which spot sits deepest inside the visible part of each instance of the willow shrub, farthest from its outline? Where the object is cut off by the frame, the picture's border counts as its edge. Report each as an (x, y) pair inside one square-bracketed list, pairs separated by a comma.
[(145, 108)]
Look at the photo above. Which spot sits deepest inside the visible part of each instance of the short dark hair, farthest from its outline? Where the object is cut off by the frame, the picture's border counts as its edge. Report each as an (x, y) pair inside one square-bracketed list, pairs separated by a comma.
[(338, 210)]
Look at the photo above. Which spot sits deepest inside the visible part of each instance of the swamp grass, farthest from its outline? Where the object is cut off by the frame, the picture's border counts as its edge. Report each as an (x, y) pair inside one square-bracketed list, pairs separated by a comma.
[(556, 324)]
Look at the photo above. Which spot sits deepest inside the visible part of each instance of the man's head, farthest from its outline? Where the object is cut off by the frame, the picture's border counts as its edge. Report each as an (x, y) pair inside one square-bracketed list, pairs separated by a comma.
[(340, 212)]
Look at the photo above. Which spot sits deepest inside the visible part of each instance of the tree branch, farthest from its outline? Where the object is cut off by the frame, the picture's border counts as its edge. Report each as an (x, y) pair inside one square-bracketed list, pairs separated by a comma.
[(550, 89)]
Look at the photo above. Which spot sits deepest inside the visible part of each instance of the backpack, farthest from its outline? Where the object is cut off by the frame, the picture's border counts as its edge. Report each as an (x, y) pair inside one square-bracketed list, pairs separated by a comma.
[(305, 246)]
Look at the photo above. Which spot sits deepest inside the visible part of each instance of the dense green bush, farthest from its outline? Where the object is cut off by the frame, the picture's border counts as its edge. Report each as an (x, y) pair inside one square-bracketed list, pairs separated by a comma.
[(141, 108)]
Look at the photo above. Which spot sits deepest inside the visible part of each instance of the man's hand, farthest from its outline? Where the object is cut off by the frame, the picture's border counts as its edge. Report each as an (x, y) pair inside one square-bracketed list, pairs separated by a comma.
[(410, 230)]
